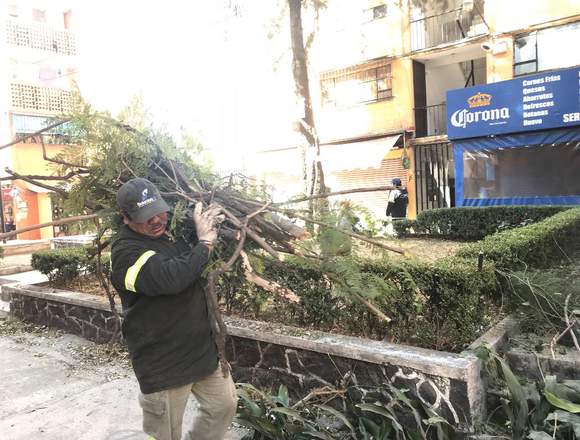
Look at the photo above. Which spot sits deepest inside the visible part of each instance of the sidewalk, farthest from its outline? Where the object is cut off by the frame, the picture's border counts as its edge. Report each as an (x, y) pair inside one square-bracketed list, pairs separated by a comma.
[(11, 264), (57, 386)]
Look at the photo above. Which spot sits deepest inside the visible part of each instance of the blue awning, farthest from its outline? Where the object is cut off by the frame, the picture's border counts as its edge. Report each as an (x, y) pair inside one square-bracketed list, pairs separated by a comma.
[(520, 140)]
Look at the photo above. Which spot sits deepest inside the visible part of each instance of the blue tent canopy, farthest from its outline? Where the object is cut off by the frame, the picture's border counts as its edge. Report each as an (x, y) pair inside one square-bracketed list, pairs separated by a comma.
[(537, 168)]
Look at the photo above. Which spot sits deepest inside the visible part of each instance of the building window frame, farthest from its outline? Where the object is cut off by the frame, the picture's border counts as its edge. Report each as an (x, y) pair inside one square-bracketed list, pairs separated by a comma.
[(377, 78), (376, 12), (538, 59), (519, 66)]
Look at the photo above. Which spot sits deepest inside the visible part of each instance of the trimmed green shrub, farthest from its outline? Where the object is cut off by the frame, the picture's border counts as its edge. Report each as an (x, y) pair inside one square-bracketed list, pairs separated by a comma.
[(473, 223), (536, 245), (66, 264), (441, 305)]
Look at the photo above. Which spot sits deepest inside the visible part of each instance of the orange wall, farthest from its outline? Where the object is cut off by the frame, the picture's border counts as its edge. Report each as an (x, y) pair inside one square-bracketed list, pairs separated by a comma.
[(28, 216), (27, 159)]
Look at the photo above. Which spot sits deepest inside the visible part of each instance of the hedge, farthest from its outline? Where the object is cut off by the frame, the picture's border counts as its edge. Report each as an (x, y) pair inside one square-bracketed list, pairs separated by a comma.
[(536, 245), (66, 264), (441, 305), (473, 223)]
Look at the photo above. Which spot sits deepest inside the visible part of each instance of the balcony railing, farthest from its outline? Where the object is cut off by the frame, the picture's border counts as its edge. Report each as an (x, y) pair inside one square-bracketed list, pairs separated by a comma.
[(37, 99), (42, 37), (447, 27), (431, 120)]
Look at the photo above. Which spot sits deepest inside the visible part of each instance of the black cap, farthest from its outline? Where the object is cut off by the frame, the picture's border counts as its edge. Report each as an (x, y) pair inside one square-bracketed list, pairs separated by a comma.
[(141, 200), (396, 181)]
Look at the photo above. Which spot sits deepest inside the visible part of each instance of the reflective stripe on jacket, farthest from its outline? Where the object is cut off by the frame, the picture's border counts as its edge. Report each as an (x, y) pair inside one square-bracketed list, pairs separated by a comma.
[(165, 317)]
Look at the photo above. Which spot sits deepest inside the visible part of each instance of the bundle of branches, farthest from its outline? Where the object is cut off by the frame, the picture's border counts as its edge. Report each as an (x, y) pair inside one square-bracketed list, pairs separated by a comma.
[(104, 152)]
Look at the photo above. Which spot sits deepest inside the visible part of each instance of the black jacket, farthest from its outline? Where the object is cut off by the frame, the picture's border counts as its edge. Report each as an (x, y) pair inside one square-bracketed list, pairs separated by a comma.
[(166, 323), (398, 208)]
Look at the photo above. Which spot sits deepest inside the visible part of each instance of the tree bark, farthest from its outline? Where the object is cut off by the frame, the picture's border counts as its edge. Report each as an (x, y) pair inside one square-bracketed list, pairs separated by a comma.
[(300, 69)]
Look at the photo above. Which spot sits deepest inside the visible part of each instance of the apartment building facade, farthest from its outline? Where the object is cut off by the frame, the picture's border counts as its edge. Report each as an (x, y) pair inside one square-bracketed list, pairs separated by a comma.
[(38, 51), (382, 69)]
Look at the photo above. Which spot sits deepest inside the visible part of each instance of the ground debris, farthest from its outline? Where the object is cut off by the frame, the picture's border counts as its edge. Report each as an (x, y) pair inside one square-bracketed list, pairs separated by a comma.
[(80, 353)]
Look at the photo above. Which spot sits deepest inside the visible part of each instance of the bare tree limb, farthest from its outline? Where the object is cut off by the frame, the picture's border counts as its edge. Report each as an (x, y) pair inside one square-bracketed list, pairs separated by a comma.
[(336, 193), (105, 283), (351, 234), (572, 332), (17, 176), (557, 337), (269, 286), (36, 133), (62, 221), (67, 176), (58, 161)]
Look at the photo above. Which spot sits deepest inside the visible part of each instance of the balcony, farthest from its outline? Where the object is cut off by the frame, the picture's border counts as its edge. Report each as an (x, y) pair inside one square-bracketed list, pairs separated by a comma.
[(40, 37), (27, 98), (431, 120), (447, 27)]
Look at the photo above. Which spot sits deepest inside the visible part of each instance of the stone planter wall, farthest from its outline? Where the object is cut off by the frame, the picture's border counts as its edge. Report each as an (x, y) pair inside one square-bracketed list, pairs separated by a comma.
[(74, 312), (269, 354)]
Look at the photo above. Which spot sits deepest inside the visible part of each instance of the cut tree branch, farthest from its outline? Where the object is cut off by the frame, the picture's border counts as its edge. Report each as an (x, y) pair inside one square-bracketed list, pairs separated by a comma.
[(58, 161), (350, 234), (267, 285), (17, 176), (336, 193), (62, 221), (36, 133), (67, 176)]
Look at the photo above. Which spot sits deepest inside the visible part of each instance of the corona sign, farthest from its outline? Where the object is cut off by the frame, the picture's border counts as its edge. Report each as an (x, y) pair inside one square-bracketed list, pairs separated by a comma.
[(537, 102)]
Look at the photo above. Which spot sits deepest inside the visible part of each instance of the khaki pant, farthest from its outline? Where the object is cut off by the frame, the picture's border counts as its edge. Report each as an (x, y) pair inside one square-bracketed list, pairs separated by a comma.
[(163, 411)]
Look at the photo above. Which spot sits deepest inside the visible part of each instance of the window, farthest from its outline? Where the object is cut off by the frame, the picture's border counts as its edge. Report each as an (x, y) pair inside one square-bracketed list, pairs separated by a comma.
[(375, 13), (357, 86), (546, 49), (534, 171), (379, 12)]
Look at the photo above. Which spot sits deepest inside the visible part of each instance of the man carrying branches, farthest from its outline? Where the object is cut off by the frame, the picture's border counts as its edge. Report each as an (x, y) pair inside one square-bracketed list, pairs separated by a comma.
[(166, 324)]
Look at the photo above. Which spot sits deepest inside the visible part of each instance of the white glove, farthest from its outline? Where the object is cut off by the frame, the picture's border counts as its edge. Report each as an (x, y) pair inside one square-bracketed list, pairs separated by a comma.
[(206, 222)]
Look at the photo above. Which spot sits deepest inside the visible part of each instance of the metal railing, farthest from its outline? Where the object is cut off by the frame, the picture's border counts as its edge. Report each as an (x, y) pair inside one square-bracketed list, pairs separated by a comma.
[(447, 27), (435, 184), (41, 37), (431, 120)]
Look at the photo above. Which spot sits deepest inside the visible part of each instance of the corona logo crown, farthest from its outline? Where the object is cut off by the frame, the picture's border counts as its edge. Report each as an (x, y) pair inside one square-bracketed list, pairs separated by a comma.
[(479, 100)]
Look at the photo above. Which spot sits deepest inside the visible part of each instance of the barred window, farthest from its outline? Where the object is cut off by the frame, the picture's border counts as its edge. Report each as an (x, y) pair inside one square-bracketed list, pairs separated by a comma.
[(350, 87)]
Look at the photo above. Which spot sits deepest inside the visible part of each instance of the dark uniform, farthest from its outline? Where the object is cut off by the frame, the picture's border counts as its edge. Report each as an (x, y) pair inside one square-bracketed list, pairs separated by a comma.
[(166, 323)]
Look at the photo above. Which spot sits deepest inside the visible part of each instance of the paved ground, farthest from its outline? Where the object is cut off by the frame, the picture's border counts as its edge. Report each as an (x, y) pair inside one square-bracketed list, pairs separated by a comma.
[(57, 386), (15, 263)]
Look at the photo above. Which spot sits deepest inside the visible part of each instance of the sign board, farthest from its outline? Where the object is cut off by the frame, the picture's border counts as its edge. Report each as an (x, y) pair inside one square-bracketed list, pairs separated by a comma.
[(535, 102)]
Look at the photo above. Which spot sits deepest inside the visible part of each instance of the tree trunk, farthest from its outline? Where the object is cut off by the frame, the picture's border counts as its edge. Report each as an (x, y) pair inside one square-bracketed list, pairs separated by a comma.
[(301, 82), (300, 69)]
